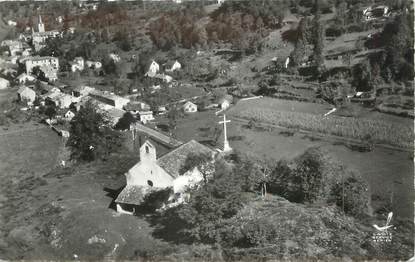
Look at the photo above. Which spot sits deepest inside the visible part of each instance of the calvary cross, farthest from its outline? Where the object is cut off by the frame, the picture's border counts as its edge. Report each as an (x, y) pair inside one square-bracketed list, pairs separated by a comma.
[(226, 147)]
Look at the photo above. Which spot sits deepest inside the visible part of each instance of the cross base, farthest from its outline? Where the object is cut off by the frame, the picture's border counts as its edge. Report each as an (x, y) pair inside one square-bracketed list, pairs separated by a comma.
[(226, 146)]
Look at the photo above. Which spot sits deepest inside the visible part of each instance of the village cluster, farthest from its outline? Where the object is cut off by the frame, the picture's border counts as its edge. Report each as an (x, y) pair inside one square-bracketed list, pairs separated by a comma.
[(151, 172)]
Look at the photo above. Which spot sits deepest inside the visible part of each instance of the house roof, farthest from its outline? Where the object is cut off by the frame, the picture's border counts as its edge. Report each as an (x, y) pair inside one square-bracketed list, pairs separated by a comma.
[(25, 89), (189, 103), (24, 75), (173, 161), (228, 98), (133, 195)]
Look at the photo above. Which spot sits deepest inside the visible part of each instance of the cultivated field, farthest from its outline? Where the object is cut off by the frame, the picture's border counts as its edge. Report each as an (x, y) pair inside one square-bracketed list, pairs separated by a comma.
[(310, 117)]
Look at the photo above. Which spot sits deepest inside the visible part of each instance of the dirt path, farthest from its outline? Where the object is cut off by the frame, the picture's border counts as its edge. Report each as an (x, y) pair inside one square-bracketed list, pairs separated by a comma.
[(22, 130)]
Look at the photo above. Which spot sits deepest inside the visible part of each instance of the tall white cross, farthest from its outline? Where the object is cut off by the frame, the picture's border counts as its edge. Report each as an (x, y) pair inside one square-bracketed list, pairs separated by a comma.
[(226, 147)]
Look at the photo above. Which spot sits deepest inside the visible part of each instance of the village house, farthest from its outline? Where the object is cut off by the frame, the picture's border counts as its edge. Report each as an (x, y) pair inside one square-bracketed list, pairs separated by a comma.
[(163, 77), (4, 83), (14, 46), (57, 98), (374, 12), (153, 69), (69, 115), (152, 174), (189, 107), (48, 64), (116, 58), (11, 23), (26, 94), (81, 91), (135, 106), (225, 102), (93, 64), (114, 115), (111, 99), (78, 64), (23, 78), (145, 116), (173, 67)]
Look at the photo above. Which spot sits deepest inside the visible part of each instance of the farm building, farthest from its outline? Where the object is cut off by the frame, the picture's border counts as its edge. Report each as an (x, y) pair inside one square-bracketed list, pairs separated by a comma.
[(4, 83), (23, 78), (145, 116), (189, 107), (152, 174), (26, 94)]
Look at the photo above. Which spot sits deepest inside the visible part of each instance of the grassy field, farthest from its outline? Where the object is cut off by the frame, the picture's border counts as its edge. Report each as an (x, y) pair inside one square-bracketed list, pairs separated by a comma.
[(310, 117), (50, 212)]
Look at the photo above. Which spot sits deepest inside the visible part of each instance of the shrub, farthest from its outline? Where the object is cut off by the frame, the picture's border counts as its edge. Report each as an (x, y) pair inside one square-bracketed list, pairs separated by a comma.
[(352, 195)]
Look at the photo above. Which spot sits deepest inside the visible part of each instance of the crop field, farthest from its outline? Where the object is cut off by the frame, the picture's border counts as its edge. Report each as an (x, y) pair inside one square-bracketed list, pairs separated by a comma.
[(379, 131)]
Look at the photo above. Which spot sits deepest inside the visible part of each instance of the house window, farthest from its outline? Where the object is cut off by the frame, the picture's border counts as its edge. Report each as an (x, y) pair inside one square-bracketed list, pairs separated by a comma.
[(150, 183), (147, 150)]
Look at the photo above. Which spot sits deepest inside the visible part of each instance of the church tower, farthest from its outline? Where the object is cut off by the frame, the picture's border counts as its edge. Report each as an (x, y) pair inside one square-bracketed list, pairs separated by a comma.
[(41, 26)]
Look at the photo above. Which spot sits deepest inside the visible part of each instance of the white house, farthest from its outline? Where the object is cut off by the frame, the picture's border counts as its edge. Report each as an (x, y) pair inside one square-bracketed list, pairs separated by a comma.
[(4, 83), (152, 174), (13, 46), (78, 64), (225, 102), (189, 107), (11, 23), (176, 66), (48, 64), (61, 100), (69, 115), (26, 94), (23, 78), (145, 116), (93, 64), (116, 58), (110, 99), (153, 69)]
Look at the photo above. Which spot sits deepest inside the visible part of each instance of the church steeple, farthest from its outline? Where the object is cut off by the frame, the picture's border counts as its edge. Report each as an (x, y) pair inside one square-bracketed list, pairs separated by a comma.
[(41, 26)]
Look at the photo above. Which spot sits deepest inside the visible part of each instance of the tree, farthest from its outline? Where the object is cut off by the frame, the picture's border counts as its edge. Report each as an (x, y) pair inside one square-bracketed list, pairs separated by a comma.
[(297, 55), (91, 137), (318, 40), (203, 162), (352, 195), (40, 75), (208, 205), (173, 115), (125, 121), (50, 112)]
